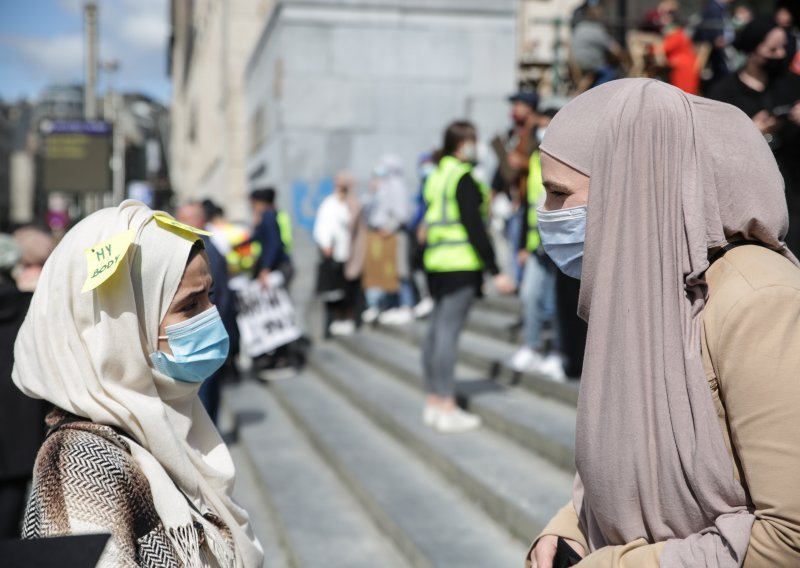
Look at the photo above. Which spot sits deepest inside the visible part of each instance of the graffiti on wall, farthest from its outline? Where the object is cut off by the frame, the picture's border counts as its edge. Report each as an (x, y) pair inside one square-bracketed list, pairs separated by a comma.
[(307, 199)]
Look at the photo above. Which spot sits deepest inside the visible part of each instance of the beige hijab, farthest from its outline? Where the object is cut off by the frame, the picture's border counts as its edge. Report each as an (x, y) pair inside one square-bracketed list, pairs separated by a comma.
[(88, 354), (671, 176)]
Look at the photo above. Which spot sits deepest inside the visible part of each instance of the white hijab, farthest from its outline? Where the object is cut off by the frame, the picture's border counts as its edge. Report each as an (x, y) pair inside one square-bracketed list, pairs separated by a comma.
[(88, 353)]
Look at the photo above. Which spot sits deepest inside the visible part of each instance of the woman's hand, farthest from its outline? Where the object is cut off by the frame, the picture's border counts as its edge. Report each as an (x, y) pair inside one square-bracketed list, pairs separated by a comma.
[(794, 114), (544, 552), (765, 122), (504, 284)]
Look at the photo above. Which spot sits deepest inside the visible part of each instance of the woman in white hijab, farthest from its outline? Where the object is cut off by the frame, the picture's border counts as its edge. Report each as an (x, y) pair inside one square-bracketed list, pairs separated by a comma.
[(119, 337)]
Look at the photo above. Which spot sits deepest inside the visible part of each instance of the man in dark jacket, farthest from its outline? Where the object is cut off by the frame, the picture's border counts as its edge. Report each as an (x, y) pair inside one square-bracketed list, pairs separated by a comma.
[(267, 232), (193, 215), (22, 425)]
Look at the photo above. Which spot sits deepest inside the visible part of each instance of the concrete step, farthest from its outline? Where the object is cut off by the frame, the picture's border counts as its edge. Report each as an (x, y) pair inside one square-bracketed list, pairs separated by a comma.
[(518, 489), (318, 520), (540, 424), (248, 492), (427, 519), (510, 305), (490, 356), (492, 323)]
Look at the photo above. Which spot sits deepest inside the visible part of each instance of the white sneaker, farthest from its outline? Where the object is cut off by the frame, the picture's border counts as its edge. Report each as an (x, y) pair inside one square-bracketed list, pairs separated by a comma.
[(343, 327), (370, 315), (552, 367), (456, 421), (424, 308), (397, 316), (526, 359), (430, 415)]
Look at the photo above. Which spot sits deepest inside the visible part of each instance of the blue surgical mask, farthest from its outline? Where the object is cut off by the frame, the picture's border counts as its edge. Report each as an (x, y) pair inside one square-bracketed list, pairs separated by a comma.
[(563, 232), (199, 347)]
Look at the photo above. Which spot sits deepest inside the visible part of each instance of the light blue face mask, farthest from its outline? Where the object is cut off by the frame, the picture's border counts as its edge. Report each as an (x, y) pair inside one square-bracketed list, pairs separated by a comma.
[(563, 233), (199, 347)]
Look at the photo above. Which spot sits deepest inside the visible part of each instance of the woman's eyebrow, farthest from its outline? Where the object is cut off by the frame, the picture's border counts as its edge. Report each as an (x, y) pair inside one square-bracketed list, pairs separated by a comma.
[(555, 186), (191, 294)]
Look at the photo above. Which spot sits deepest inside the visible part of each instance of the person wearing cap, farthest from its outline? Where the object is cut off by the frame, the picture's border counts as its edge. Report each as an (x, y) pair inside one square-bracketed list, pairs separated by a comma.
[(273, 230), (770, 95), (593, 48), (715, 31), (538, 288), (511, 177)]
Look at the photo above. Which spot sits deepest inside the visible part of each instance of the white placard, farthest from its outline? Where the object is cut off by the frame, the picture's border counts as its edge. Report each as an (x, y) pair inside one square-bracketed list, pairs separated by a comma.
[(266, 316)]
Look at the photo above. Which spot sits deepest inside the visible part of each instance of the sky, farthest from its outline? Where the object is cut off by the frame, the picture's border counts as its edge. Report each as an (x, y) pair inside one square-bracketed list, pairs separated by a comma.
[(41, 43)]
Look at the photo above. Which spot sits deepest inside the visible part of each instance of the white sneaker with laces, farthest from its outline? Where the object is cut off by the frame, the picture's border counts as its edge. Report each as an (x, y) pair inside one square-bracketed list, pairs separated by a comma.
[(456, 421), (370, 315), (430, 415), (526, 359), (343, 327), (397, 316), (424, 308), (552, 367)]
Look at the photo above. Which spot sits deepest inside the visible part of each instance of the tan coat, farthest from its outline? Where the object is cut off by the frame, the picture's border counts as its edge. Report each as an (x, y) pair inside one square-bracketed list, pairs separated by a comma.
[(751, 355)]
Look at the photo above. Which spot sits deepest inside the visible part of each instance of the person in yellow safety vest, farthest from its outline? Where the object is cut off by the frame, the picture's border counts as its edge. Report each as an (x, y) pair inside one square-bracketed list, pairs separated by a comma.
[(231, 239), (244, 251), (538, 289), (270, 232), (457, 253), (285, 227)]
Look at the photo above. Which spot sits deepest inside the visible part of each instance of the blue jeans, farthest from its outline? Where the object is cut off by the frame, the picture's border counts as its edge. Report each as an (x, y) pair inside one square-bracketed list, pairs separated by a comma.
[(513, 230), (538, 295), (377, 298)]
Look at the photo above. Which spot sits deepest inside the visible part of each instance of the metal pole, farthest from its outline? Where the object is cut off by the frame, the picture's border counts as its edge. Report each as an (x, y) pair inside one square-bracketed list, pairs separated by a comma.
[(118, 153), (90, 33)]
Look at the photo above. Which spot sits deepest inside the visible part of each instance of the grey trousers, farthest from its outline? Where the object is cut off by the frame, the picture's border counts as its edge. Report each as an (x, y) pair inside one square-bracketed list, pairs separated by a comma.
[(441, 343)]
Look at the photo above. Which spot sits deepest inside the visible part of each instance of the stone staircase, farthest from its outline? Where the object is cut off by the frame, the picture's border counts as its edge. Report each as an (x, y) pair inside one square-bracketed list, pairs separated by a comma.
[(337, 469)]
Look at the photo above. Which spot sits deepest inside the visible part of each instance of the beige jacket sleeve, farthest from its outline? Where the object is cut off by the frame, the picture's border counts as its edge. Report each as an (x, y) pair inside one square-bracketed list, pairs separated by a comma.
[(564, 524), (632, 555), (757, 359)]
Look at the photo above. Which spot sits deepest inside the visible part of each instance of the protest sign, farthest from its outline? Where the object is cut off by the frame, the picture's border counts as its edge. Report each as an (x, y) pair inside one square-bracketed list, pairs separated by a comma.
[(266, 316)]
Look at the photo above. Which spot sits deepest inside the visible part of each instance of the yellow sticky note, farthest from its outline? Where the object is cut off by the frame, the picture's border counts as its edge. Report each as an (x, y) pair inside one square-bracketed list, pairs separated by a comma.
[(103, 259), (167, 222)]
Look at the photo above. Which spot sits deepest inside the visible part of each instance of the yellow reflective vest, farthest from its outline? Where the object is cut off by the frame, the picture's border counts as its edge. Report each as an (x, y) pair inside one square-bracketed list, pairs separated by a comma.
[(536, 193), (285, 227), (448, 248)]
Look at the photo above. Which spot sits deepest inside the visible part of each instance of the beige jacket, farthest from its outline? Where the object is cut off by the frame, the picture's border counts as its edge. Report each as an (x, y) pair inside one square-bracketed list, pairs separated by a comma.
[(751, 354)]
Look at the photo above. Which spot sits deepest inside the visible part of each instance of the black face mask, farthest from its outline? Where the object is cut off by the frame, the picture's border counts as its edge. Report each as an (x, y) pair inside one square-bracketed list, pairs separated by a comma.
[(774, 66)]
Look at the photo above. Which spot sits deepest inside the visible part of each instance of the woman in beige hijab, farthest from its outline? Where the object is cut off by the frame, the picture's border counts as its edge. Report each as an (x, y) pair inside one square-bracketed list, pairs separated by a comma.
[(119, 337), (686, 443)]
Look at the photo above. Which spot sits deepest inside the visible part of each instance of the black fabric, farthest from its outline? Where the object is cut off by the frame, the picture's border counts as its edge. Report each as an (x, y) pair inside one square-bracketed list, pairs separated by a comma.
[(780, 94), (79, 551), (566, 556), (469, 199), (572, 328), (330, 280), (12, 507), (755, 32), (22, 427)]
